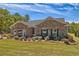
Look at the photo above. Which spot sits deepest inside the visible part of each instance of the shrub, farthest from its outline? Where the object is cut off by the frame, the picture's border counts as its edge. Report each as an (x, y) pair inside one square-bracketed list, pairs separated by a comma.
[(70, 38)]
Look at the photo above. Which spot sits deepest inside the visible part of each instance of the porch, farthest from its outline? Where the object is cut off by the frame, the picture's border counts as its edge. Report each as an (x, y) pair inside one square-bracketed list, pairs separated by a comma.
[(53, 34)]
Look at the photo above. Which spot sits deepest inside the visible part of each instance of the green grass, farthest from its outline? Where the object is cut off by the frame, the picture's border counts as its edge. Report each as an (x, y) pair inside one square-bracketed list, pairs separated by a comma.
[(49, 48)]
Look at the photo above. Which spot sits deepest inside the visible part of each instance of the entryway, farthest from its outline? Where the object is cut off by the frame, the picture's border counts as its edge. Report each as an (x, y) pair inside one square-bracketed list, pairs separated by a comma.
[(52, 33)]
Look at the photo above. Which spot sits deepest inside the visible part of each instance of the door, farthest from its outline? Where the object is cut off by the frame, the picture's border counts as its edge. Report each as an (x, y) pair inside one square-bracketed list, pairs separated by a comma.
[(54, 33), (44, 32)]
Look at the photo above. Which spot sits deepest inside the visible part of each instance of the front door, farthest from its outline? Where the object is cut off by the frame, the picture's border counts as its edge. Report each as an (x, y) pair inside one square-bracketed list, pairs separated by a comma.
[(44, 32), (54, 33)]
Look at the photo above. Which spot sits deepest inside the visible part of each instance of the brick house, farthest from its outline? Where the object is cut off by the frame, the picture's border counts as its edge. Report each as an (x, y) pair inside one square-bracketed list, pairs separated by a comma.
[(53, 27)]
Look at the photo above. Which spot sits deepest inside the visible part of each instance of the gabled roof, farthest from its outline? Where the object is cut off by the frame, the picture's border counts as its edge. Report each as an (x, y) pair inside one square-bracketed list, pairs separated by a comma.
[(36, 22), (25, 23), (61, 20)]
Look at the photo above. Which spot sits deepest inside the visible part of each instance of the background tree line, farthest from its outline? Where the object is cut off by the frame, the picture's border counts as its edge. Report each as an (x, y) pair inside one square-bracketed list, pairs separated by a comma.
[(7, 19), (73, 28)]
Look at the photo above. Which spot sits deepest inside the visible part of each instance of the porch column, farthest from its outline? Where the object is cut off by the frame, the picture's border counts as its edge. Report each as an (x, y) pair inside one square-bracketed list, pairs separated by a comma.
[(49, 32), (23, 33)]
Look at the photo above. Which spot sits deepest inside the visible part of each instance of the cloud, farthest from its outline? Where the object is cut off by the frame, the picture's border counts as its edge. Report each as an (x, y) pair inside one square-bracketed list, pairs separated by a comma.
[(42, 5), (42, 8), (48, 9), (36, 8), (16, 6), (24, 7), (59, 4), (66, 10), (74, 4)]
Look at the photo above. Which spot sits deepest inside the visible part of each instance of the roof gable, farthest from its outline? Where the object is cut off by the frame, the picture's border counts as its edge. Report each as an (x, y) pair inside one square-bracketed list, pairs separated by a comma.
[(25, 23), (61, 20), (50, 21), (36, 22)]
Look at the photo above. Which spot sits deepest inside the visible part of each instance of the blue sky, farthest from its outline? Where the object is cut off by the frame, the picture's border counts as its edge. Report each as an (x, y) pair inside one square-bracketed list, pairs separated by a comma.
[(37, 11)]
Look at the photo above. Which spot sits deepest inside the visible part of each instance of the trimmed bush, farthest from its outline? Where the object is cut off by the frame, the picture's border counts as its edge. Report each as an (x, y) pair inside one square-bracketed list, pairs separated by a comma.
[(70, 38)]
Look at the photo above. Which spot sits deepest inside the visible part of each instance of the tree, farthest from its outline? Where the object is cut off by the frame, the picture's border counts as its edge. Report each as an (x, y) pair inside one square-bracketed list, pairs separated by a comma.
[(7, 19), (4, 12), (17, 14), (26, 17), (73, 27)]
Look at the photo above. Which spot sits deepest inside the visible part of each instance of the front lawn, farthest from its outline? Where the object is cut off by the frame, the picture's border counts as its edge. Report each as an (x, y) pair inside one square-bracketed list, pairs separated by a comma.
[(43, 48)]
